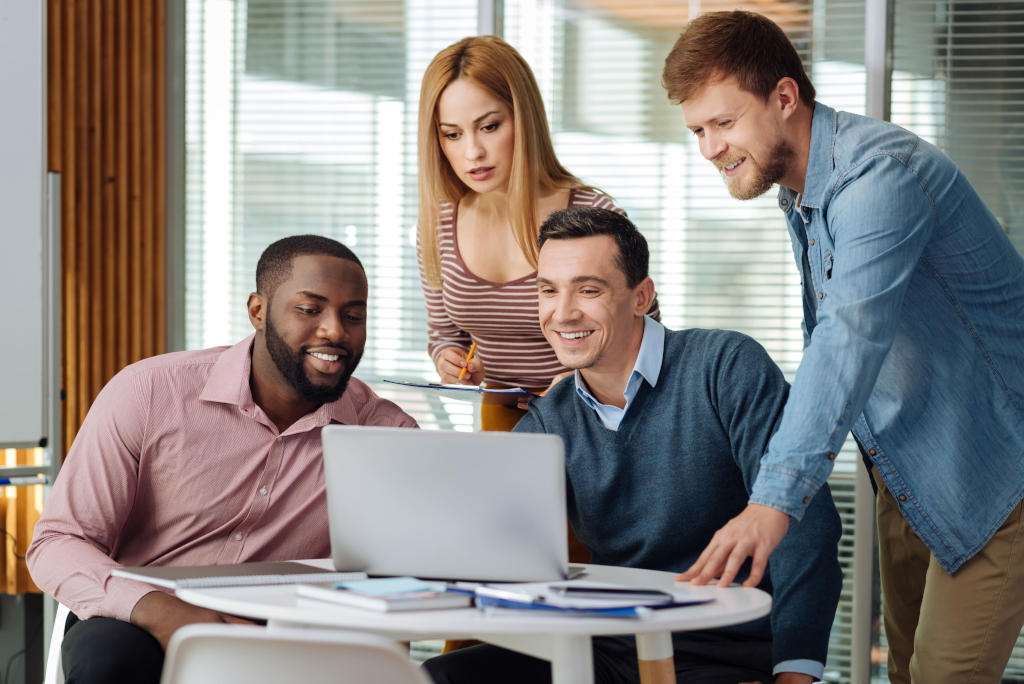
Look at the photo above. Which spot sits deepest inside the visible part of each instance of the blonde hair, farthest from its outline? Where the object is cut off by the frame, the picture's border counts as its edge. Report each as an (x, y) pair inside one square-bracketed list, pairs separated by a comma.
[(495, 66)]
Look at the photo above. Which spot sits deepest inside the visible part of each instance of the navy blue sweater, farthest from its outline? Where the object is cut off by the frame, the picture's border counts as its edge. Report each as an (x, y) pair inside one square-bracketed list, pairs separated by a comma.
[(681, 464)]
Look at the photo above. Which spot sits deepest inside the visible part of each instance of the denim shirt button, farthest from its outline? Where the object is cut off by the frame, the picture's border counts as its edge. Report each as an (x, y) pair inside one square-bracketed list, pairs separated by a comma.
[(903, 497), (832, 457), (871, 452), (821, 295), (812, 241), (806, 499)]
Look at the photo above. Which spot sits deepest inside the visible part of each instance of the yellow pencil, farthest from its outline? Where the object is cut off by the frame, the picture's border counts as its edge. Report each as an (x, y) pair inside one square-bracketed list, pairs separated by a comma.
[(472, 348)]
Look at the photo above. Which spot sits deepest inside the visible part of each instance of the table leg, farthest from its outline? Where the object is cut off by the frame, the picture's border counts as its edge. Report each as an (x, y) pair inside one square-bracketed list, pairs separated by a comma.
[(655, 659), (572, 661)]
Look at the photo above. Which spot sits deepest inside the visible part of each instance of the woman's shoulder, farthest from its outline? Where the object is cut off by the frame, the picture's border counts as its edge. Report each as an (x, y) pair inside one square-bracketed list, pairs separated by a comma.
[(586, 196)]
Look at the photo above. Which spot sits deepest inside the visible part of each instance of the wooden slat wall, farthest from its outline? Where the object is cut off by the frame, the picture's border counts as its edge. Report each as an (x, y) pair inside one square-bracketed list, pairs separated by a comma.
[(105, 129), (106, 138)]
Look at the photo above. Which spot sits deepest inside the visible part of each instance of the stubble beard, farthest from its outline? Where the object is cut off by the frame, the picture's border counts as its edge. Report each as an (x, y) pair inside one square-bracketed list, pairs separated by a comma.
[(763, 177)]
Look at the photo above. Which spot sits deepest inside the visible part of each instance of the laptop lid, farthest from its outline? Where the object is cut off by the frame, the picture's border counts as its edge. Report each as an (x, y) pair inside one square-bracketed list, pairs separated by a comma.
[(452, 505)]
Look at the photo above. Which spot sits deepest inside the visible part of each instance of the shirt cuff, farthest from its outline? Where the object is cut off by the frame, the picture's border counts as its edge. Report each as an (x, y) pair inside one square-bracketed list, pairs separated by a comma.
[(783, 489), (122, 595), (801, 666)]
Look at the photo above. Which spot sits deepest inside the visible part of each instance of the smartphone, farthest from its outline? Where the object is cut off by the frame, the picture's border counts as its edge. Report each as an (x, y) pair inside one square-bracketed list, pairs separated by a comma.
[(571, 591)]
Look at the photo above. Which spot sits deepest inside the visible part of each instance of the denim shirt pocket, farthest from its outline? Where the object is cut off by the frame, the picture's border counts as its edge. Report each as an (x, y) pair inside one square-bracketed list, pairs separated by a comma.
[(826, 266)]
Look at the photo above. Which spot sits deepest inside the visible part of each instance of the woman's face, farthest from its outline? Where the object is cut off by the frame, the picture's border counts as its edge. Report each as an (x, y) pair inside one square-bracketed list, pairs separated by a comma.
[(477, 135)]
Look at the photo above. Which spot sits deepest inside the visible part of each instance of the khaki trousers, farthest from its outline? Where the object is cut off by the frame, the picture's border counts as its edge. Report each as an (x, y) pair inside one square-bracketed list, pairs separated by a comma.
[(948, 628)]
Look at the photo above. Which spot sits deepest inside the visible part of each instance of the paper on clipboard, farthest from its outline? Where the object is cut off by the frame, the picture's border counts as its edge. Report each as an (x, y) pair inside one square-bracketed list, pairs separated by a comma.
[(466, 392)]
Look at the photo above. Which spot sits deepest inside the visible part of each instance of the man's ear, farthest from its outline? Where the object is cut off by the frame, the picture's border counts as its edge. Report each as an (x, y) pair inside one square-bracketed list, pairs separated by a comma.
[(257, 306), (644, 295), (786, 96)]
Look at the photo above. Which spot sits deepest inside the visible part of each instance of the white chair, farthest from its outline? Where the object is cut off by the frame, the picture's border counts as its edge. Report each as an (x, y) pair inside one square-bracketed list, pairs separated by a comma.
[(218, 653), (54, 673)]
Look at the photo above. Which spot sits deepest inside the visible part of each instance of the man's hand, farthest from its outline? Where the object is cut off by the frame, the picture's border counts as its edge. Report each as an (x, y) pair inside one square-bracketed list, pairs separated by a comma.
[(450, 363), (753, 533), (161, 615)]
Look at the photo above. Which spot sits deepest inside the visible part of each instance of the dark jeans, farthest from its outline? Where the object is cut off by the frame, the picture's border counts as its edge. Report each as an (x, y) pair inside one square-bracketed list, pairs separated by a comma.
[(712, 662), (104, 650)]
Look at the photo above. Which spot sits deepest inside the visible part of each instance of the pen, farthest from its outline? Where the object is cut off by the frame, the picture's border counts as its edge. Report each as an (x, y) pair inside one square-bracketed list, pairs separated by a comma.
[(472, 348), (20, 481)]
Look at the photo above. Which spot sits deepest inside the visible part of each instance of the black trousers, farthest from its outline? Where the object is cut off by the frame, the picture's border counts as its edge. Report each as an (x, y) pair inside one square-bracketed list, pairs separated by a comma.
[(105, 650), (615, 662)]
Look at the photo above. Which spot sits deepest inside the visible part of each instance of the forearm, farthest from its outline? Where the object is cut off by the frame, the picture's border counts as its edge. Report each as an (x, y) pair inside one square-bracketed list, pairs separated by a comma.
[(806, 583), (161, 615)]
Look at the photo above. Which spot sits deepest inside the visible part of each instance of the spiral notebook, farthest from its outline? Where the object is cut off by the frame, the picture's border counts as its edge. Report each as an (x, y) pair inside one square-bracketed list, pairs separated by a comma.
[(241, 574)]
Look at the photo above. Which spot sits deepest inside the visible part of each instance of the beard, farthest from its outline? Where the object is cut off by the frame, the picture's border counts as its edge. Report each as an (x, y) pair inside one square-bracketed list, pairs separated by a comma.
[(290, 364), (762, 178)]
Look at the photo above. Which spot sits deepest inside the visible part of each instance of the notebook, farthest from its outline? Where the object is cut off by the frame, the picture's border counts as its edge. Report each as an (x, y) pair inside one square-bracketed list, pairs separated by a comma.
[(481, 506), (261, 572)]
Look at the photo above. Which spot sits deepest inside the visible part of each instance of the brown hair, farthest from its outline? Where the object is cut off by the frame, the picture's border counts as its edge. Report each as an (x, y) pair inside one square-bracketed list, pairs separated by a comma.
[(495, 66), (746, 45)]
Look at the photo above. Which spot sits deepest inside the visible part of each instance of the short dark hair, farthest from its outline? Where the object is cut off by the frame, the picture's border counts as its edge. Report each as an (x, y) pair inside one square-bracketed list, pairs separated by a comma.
[(275, 264), (746, 45), (580, 222)]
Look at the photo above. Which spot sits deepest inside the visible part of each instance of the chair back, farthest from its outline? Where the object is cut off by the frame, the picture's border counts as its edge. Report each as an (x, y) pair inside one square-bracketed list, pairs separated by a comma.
[(54, 673), (219, 653)]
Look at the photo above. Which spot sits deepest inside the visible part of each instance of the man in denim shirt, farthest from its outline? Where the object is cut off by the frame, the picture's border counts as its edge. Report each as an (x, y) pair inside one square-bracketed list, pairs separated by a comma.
[(914, 340)]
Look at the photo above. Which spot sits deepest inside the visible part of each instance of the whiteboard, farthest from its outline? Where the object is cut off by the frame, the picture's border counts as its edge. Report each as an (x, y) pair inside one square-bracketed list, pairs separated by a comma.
[(25, 352)]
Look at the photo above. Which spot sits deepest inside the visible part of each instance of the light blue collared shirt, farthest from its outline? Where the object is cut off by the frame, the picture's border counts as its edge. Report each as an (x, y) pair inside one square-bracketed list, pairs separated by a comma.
[(647, 367)]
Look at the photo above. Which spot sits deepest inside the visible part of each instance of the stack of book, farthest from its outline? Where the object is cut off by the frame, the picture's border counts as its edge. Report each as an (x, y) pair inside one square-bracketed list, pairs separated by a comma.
[(387, 594)]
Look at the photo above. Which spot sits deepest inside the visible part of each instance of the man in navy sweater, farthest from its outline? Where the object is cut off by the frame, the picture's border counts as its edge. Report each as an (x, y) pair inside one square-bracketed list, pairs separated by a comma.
[(663, 432)]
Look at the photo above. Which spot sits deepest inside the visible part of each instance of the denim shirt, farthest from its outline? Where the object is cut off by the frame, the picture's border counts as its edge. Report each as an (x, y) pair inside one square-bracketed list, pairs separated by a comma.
[(914, 336)]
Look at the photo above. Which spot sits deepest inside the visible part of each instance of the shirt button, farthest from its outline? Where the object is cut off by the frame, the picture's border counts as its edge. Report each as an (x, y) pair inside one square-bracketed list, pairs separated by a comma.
[(812, 241), (871, 452), (806, 499), (903, 497), (821, 295), (263, 490), (831, 457), (238, 537)]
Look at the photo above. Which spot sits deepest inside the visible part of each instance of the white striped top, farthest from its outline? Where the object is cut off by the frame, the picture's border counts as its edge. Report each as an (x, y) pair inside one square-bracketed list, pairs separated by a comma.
[(501, 317)]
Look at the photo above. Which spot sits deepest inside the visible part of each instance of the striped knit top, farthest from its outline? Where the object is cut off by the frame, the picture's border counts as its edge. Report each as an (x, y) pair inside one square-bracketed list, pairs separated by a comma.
[(501, 317)]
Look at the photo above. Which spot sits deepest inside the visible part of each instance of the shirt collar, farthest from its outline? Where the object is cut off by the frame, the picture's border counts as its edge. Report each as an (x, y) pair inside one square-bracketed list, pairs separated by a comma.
[(647, 365), (820, 161), (228, 383)]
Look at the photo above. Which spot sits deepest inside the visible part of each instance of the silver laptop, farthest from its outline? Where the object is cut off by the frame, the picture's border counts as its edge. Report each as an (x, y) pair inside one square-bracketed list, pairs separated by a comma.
[(487, 506)]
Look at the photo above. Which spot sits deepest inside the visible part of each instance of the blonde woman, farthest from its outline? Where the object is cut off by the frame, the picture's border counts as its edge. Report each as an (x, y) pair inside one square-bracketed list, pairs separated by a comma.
[(488, 177)]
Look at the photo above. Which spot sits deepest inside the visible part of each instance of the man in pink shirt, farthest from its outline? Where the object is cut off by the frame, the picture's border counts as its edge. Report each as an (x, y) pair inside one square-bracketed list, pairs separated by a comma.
[(207, 457)]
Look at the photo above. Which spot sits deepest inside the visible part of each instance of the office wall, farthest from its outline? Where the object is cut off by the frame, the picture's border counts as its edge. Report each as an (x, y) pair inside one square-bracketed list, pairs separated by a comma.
[(106, 129)]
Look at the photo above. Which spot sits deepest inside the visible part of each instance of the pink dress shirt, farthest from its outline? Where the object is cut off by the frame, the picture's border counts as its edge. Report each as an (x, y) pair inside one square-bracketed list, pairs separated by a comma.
[(175, 464)]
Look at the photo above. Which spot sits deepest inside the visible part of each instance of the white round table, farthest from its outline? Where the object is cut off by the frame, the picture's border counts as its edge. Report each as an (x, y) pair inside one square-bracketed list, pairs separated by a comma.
[(563, 640)]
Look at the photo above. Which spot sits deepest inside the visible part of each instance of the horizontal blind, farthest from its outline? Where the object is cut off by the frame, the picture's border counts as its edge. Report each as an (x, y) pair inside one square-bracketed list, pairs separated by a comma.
[(716, 262), (958, 82), (301, 118)]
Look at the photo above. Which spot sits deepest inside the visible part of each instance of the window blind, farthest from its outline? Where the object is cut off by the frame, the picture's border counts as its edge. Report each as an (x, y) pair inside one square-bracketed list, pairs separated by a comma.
[(301, 118), (958, 82)]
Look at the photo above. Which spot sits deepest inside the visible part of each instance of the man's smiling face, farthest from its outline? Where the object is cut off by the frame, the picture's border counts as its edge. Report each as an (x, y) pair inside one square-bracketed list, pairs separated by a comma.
[(741, 135), (316, 326), (588, 312)]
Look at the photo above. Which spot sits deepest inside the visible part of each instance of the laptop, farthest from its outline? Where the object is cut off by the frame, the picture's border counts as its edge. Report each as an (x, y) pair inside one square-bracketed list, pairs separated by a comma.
[(475, 506)]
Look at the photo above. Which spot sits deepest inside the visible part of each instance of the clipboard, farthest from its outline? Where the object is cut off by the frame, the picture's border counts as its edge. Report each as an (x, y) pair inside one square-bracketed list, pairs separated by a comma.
[(501, 395)]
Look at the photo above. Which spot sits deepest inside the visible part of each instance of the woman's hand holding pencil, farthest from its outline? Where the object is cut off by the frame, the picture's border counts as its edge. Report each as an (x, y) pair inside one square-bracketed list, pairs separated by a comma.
[(456, 366)]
